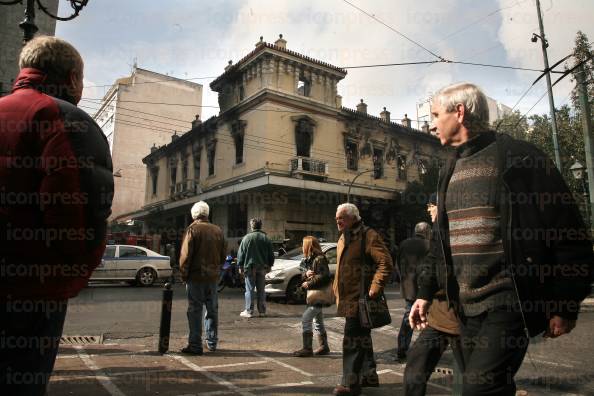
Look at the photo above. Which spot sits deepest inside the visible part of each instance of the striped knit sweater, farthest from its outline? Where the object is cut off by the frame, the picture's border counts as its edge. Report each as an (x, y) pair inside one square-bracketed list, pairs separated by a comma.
[(475, 232)]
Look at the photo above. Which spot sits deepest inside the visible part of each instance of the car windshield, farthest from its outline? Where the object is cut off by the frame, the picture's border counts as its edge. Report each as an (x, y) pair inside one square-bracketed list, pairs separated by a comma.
[(293, 254)]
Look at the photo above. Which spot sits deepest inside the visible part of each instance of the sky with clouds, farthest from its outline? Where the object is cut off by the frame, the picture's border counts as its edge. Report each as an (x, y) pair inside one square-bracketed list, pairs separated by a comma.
[(196, 38)]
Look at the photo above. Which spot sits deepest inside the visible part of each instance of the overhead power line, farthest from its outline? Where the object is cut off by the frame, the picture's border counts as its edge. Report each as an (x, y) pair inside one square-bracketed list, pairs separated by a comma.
[(395, 31)]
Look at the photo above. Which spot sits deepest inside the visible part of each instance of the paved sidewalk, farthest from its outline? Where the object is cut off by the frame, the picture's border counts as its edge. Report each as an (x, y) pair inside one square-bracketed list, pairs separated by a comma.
[(245, 364)]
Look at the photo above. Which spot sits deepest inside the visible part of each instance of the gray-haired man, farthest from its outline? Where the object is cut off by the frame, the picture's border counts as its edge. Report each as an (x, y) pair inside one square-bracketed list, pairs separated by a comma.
[(202, 254), (497, 196), (255, 258)]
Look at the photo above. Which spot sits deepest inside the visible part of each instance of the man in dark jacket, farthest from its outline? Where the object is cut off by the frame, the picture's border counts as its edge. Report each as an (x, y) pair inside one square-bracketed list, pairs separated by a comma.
[(357, 242), (410, 254), (202, 255), (512, 247), (255, 258), (57, 188)]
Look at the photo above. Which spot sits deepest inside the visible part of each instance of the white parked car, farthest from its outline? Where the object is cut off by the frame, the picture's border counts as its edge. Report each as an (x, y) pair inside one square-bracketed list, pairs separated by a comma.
[(135, 264), (284, 279)]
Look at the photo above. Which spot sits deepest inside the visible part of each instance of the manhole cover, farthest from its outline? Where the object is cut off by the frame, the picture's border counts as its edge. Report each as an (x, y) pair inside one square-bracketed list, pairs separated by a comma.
[(81, 340)]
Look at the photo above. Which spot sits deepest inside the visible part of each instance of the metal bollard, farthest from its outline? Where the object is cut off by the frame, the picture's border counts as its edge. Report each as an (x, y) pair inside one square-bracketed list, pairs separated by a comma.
[(165, 326)]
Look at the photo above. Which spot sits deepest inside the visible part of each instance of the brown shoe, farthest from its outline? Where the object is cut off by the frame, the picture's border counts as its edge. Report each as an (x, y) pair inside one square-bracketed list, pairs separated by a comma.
[(342, 390)]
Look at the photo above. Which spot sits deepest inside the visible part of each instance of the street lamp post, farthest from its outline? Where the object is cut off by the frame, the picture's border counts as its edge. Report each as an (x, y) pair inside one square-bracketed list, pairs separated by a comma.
[(578, 171), (353, 181), (28, 24)]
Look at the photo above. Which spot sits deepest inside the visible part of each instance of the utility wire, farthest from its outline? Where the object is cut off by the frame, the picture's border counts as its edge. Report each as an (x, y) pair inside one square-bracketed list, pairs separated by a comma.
[(395, 31)]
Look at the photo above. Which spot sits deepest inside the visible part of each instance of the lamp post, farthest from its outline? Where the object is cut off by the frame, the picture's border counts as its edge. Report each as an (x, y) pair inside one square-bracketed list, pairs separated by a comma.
[(28, 24), (578, 171), (544, 44), (353, 181)]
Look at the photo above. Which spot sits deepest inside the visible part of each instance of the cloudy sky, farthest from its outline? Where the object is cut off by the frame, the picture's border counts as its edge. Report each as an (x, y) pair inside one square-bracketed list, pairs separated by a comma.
[(193, 39)]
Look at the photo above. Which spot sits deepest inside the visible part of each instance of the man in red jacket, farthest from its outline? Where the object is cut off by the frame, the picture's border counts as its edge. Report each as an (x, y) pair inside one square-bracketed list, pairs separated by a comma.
[(56, 193)]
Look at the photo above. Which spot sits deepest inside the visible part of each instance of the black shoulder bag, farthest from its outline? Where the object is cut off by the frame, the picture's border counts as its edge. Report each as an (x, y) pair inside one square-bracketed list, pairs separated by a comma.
[(373, 313)]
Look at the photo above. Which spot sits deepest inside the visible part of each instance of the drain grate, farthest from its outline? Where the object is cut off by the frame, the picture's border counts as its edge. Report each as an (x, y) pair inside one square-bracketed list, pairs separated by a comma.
[(444, 370), (81, 340)]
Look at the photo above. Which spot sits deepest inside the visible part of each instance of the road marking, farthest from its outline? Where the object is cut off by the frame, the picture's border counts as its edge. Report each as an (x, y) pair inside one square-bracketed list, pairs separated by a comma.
[(261, 388), (283, 364), (100, 375), (211, 376), (236, 364)]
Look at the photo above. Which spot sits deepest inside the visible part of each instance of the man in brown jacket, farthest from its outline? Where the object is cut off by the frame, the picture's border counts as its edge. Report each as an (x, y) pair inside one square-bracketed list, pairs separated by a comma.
[(358, 364), (202, 254)]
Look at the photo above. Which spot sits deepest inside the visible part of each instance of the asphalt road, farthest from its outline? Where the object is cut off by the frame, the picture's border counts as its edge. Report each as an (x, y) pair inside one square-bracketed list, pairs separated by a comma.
[(129, 316)]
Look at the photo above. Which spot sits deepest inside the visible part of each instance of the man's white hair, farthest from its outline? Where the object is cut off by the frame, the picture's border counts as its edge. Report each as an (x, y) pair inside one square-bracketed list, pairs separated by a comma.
[(200, 209), (350, 209), (473, 99)]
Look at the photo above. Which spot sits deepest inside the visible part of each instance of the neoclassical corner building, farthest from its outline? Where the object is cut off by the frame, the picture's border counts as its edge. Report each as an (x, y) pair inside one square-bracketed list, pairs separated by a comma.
[(284, 149)]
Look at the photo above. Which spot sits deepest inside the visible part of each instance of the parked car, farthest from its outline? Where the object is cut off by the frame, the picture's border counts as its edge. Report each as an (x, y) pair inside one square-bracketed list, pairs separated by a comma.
[(135, 264), (284, 279)]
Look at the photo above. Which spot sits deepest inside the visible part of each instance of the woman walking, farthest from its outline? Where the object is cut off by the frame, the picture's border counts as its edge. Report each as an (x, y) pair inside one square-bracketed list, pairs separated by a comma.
[(316, 276)]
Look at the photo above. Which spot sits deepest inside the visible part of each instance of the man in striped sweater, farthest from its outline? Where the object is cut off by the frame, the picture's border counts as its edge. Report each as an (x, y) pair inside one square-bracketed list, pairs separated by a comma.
[(510, 243)]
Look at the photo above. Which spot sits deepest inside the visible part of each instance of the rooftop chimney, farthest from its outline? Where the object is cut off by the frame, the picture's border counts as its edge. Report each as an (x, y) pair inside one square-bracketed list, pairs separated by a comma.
[(281, 43), (425, 127), (385, 115), (175, 136), (406, 121), (362, 107), (197, 121), (261, 42), (229, 65), (154, 148)]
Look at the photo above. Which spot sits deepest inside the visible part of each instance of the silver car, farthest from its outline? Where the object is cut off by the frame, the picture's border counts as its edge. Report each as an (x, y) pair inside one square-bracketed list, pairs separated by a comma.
[(135, 264), (284, 279)]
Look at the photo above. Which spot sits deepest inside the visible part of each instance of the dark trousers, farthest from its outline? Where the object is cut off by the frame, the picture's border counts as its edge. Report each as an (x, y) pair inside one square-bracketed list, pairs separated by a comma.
[(405, 333), (30, 334), (493, 344), (423, 357), (358, 361)]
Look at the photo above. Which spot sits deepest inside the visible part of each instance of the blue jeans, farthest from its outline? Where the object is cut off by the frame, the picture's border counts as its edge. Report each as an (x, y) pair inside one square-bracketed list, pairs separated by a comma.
[(313, 314), (254, 280), (200, 294), (30, 334), (405, 333)]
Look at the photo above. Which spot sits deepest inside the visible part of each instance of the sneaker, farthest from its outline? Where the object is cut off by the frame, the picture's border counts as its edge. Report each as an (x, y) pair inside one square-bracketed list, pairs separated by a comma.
[(245, 314), (189, 351), (211, 348)]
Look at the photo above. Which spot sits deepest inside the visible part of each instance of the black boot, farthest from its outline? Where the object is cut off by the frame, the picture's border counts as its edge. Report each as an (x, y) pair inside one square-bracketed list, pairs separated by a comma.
[(306, 351), (324, 348)]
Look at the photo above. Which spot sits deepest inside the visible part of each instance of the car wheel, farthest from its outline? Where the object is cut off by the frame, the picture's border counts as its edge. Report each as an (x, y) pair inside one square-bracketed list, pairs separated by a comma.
[(295, 292), (146, 276)]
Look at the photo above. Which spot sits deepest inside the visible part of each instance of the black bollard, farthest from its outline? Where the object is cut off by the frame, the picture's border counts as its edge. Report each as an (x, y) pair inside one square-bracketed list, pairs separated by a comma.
[(165, 326)]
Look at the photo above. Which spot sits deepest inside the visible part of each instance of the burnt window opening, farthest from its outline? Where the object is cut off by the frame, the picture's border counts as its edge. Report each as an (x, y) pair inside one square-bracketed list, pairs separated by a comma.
[(401, 165), (241, 92), (352, 156), (154, 179), (303, 137), (211, 158), (172, 175), (378, 164), (197, 165), (238, 132), (238, 139), (303, 86), (184, 170)]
